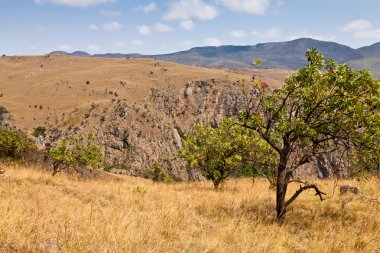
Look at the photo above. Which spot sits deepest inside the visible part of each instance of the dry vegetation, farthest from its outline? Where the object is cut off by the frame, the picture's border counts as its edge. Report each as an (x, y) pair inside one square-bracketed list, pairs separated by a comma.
[(121, 214), (44, 90)]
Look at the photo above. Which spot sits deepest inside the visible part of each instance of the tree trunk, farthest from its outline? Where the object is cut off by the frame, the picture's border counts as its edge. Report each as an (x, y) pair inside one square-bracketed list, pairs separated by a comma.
[(216, 184), (282, 186)]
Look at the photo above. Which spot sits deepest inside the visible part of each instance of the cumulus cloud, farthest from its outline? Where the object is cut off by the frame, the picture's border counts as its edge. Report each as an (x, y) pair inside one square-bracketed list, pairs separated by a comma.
[(188, 9), (253, 7), (144, 30), (361, 28), (237, 34), (152, 7), (75, 3), (160, 27), (113, 26), (357, 26), (187, 24), (212, 42)]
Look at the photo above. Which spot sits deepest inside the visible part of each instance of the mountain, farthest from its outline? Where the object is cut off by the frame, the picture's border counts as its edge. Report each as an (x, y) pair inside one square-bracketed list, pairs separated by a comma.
[(370, 51), (290, 55), (273, 55)]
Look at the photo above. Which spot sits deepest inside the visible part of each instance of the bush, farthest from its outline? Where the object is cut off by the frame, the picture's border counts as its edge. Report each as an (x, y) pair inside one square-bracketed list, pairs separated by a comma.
[(76, 153), (156, 174), (39, 131), (15, 145)]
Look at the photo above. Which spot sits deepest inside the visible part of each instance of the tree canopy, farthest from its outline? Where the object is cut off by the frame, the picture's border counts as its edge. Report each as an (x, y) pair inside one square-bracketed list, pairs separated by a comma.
[(219, 151), (322, 108), (77, 153)]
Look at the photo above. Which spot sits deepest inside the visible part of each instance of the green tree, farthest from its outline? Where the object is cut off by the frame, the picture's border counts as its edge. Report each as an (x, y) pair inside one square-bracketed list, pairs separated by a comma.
[(323, 107), (77, 153), (15, 145), (219, 152)]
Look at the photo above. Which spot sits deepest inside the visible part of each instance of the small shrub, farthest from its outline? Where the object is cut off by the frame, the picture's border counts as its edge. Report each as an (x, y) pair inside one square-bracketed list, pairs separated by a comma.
[(15, 145), (156, 174), (39, 131), (77, 153)]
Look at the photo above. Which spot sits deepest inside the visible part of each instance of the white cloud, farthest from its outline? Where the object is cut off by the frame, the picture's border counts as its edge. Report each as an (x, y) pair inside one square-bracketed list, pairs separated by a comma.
[(212, 42), (188, 9), (93, 27), (152, 7), (237, 34), (160, 27), (362, 28), (65, 47), (144, 30), (253, 7), (92, 48), (357, 26), (32, 48), (109, 13), (187, 24), (137, 43), (75, 3), (272, 33), (113, 26)]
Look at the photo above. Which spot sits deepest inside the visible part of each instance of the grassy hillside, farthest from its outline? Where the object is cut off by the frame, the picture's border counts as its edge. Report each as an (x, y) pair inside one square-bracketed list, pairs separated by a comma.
[(44, 90), (137, 108), (122, 214)]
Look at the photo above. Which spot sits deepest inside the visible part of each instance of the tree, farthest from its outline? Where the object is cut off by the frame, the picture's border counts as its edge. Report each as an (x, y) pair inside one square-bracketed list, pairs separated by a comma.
[(322, 108), (219, 152), (15, 145), (77, 153)]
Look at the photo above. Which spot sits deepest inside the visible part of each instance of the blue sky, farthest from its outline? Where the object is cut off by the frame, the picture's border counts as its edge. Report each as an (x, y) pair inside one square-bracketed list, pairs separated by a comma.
[(29, 27)]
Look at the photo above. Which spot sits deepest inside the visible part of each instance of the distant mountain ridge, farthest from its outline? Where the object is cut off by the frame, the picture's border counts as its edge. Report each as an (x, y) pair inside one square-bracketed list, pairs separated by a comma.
[(289, 54)]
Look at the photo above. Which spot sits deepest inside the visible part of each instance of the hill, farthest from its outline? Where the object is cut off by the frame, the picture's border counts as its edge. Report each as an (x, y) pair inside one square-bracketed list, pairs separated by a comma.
[(42, 213), (288, 55), (137, 108)]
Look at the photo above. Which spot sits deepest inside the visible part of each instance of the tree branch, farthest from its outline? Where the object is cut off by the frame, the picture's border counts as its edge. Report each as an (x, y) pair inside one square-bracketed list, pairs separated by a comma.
[(304, 188)]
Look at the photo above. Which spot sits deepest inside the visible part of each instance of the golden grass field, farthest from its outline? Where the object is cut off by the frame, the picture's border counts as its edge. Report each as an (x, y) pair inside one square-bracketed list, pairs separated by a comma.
[(123, 214)]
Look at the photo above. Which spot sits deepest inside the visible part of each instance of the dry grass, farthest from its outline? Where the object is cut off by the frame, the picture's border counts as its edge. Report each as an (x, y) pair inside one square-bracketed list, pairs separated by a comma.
[(60, 85), (135, 215)]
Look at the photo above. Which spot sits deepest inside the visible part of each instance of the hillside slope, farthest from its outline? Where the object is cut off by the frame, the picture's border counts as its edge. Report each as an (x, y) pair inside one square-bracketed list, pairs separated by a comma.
[(137, 108)]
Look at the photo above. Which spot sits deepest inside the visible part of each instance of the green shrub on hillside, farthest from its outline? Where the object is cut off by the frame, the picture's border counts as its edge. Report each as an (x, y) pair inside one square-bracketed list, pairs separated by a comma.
[(39, 131), (77, 153), (15, 145)]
